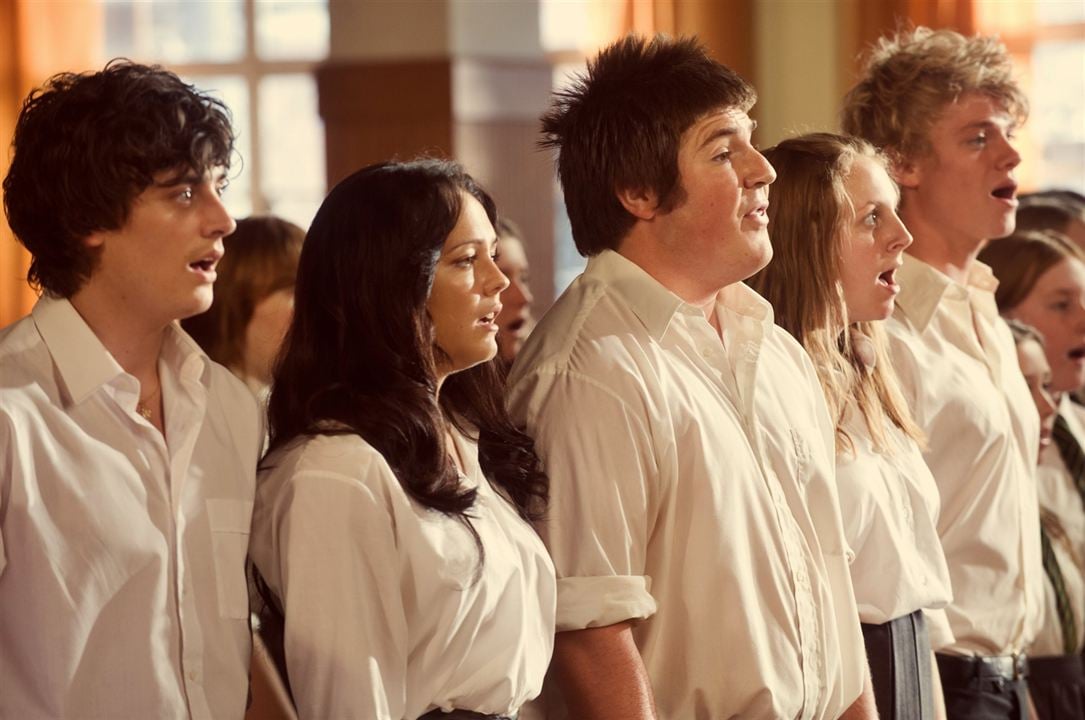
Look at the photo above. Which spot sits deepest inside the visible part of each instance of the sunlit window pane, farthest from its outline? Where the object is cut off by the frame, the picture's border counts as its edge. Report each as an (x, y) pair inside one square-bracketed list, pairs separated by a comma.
[(292, 29), (1059, 12), (1058, 113), (232, 90), (292, 169), (175, 31)]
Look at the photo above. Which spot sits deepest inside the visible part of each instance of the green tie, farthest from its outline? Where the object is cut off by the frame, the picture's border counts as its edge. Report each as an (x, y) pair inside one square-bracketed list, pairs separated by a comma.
[(1073, 457), (1062, 599)]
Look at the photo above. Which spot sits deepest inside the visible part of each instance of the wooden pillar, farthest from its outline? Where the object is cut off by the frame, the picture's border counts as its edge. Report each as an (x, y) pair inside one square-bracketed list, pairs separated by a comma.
[(446, 78)]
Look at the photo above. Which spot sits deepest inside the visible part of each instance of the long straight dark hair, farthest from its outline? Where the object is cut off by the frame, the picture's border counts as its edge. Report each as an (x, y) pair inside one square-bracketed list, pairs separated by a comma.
[(360, 355)]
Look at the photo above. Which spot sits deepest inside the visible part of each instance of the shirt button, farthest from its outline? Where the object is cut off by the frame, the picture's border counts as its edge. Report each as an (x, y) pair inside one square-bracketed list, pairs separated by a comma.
[(193, 675)]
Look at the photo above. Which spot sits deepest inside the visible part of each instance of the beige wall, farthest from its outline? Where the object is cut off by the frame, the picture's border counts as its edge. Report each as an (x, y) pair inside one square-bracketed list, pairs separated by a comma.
[(798, 67)]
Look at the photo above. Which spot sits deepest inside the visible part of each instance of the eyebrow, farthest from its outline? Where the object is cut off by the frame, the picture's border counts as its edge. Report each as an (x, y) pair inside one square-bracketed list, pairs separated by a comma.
[(475, 241), (985, 124), (727, 131)]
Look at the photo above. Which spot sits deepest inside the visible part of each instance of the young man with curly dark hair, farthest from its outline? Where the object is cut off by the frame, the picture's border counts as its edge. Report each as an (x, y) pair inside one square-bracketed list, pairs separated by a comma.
[(127, 458)]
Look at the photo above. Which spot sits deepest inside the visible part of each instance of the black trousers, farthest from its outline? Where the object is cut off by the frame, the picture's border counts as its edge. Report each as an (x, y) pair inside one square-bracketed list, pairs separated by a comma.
[(1058, 686), (978, 688), (899, 653), (459, 715)]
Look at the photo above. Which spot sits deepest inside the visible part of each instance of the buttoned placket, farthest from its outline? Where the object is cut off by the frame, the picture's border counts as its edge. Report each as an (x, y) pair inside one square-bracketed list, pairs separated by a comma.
[(184, 417), (734, 360)]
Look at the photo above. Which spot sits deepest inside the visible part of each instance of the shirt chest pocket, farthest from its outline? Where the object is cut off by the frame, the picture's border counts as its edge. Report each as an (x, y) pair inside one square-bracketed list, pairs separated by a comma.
[(230, 522)]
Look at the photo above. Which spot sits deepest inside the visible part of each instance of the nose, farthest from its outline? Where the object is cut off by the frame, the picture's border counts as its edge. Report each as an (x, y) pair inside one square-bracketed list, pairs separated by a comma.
[(899, 238), (761, 172), (217, 221), (521, 286), (1010, 158), (495, 280)]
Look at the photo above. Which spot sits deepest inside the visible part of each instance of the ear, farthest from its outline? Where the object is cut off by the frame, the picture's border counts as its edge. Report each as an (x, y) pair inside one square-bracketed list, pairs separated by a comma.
[(95, 239), (640, 203), (905, 172)]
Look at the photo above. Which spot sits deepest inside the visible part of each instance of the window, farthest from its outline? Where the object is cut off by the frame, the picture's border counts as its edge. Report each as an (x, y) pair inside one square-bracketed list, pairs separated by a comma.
[(258, 57), (1047, 40)]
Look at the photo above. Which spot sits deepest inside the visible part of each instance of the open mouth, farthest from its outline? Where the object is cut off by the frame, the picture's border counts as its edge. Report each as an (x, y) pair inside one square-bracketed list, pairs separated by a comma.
[(1077, 354), (490, 318), (889, 279), (204, 265), (1006, 192)]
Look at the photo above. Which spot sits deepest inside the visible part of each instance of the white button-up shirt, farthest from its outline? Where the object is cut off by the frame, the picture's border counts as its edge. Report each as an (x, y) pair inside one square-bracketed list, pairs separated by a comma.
[(890, 505), (692, 487), (1060, 497), (958, 367), (122, 552), (386, 617)]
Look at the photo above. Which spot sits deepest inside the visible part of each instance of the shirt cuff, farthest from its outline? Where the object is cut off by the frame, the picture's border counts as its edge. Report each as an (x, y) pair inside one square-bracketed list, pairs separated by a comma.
[(938, 629), (586, 602)]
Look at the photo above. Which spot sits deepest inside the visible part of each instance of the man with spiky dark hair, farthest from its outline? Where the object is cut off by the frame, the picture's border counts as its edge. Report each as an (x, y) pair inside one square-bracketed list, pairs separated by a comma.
[(127, 458), (694, 521)]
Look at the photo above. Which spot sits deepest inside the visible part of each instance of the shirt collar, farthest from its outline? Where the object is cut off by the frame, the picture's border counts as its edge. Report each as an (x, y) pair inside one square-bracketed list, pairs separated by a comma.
[(83, 362), (655, 305), (81, 359), (922, 287), (652, 303)]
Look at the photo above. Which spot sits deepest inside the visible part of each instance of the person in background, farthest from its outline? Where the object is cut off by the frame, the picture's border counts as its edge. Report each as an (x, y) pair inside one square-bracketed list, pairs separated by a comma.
[(1062, 211), (253, 304), (514, 322), (695, 524), (127, 457), (254, 300), (1041, 282), (944, 108), (835, 228), (391, 521), (1037, 373)]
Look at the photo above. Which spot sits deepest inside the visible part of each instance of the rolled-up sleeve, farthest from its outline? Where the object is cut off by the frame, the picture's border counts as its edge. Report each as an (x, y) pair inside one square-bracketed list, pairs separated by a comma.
[(604, 492)]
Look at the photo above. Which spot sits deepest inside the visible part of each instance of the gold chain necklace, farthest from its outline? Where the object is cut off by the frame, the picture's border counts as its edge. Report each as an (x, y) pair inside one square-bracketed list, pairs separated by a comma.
[(143, 407)]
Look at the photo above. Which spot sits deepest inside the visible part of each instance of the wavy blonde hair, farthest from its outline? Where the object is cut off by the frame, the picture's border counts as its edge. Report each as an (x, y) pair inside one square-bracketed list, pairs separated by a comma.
[(809, 206), (909, 77)]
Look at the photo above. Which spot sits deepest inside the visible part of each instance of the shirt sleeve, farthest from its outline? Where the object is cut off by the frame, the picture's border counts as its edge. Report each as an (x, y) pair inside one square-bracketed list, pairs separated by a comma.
[(346, 632), (938, 629), (604, 488), (6, 473)]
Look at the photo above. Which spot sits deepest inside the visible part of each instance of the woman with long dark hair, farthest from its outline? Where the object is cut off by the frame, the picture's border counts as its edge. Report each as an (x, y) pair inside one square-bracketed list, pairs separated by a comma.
[(392, 517)]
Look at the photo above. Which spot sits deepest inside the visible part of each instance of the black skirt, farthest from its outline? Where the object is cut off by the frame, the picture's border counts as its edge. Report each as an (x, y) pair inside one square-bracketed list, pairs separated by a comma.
[(899, 653)]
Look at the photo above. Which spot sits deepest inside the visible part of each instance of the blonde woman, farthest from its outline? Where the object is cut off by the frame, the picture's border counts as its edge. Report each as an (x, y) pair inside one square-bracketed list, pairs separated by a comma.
[(837, 244)]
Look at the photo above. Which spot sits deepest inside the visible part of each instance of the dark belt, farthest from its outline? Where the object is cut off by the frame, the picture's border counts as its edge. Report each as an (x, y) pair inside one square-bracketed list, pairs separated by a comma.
[(439, 714), (1057, 669), (960, 669)]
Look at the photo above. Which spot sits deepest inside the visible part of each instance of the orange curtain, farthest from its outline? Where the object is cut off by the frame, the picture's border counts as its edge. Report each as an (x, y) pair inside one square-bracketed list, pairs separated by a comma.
[(37, 39), (726, 27), (878, 17)]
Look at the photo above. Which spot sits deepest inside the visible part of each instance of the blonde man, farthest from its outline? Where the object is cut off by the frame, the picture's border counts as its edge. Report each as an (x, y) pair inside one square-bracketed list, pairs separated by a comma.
[(945, 108)]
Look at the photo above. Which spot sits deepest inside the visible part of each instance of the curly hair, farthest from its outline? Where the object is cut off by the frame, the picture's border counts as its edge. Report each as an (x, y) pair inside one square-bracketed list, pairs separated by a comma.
[(619, 128), (809, 208), (911, 76), (85, 145), (359, 356)]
